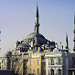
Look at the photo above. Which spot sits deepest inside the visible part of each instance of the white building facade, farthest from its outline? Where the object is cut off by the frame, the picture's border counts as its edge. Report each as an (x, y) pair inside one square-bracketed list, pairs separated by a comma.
[(56, 63)]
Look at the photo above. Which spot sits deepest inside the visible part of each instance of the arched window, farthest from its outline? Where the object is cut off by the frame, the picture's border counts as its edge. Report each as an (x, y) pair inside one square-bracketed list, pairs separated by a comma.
[(52, 72), (59, 61), (59, 71), (52, 61)]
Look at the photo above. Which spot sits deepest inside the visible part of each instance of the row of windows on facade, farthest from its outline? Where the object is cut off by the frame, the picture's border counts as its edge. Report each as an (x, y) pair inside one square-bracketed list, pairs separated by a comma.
[(22, 49), (34, 71), (55, 61), (21, 55), (34, 62), (24, 55), (52, 72)]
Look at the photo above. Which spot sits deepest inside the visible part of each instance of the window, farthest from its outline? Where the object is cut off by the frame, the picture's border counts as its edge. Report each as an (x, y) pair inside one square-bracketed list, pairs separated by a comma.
[(49, 72), (52, 72), (52, 61), (34, 71), (38, 62), (30, 62), (59, 71), (31, 48), (34, 61), (25, 72), (74, 62), (59, 61), (2, 66), (30, 70), (38, 71), (25, 62)]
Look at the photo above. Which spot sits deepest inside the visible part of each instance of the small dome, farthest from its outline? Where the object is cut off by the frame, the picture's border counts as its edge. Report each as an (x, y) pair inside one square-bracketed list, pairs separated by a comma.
[(17, 43)]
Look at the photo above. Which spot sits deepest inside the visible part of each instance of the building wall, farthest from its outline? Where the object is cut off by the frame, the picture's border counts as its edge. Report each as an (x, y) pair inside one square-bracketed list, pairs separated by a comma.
[(34, 66), (18, 66), (55, 62), (71, 60), (23, 66), (3, 63)]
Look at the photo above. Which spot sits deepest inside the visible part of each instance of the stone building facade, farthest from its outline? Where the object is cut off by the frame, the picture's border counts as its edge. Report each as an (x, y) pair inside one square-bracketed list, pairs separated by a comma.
[(56, 63)]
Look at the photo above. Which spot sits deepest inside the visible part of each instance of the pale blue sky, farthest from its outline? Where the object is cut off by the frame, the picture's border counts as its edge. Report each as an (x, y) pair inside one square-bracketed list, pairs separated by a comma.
[(17, 20)]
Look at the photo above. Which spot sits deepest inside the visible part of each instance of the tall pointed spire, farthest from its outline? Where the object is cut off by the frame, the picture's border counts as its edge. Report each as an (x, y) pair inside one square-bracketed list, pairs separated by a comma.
[(37, 12), (36, 29), (67, 41), (74, 33)]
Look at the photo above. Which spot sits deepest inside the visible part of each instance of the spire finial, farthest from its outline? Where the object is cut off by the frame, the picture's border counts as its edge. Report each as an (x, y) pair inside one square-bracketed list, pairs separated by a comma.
[(37, 12)]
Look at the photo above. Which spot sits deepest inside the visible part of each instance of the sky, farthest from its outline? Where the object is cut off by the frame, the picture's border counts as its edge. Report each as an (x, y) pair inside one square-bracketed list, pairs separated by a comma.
[(17, 20)]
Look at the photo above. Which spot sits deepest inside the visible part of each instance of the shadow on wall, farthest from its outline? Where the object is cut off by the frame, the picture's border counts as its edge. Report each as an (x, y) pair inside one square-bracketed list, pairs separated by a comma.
[(6, 72)]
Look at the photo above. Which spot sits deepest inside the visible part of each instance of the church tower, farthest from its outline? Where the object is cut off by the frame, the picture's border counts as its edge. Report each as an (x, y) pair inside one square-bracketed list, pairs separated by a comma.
[(74, 34)]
